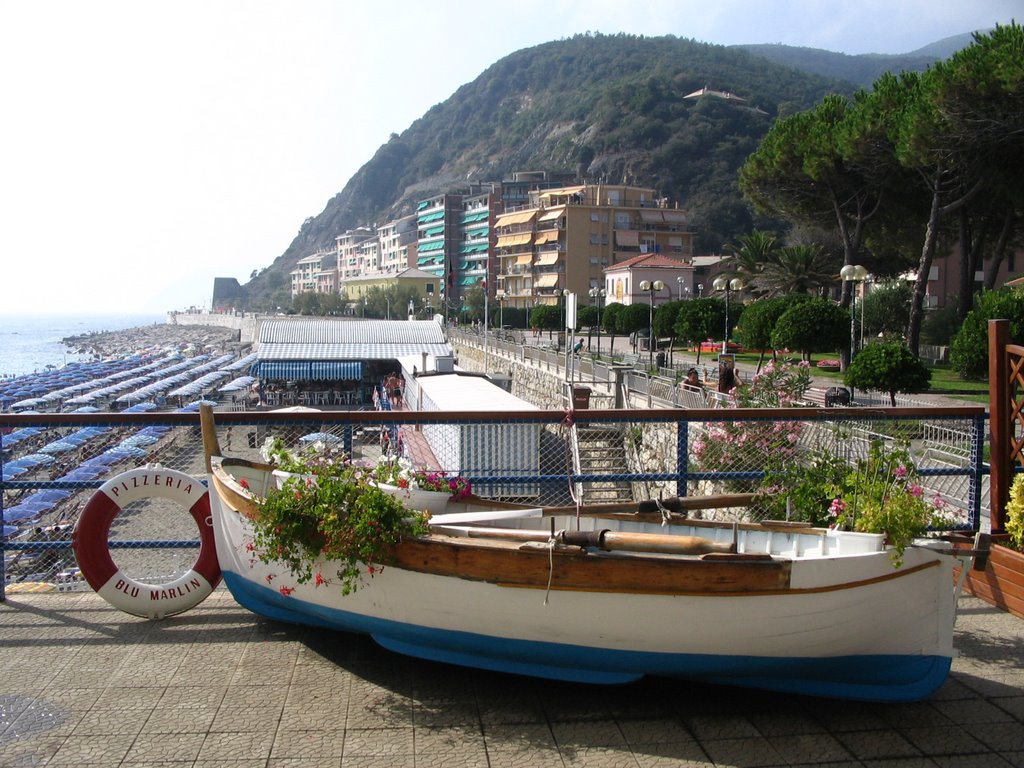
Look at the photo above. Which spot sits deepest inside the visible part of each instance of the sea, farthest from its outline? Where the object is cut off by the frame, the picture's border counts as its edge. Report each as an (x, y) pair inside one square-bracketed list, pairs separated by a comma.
[(31, 343)]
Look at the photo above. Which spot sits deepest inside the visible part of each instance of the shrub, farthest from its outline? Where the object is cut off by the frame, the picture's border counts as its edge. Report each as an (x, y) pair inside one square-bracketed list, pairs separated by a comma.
[(888, 366), (969, 350)]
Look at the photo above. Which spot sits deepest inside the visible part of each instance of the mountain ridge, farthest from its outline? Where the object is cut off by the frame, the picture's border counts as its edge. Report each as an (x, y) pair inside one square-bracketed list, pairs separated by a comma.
[(606, 107)]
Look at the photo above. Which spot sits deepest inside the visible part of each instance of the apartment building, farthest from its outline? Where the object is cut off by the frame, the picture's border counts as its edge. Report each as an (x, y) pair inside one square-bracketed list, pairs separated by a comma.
[(565, 239)]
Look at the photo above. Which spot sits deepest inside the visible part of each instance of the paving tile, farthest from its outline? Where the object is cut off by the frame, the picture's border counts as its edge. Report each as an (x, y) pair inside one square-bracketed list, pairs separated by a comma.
[(950, 740), (588, 733), (599, 757), (242, 745), (152, 747), (196, 693), (809, 748), (379, 741), (749, 752), (105, 750), (308, 744), (870, 745)]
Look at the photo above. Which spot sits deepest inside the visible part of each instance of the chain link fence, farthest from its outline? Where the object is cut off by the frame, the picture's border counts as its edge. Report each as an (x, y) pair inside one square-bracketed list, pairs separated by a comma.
[(539, 458)]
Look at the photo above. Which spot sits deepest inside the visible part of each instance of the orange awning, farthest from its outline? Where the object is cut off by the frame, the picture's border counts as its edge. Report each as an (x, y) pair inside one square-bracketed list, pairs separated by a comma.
[(551, 215), (547, 259), (518, 217), (545, 281)]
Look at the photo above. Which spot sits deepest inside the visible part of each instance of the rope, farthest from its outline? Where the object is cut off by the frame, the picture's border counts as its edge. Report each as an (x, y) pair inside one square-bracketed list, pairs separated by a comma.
[(665, 514), (551, 562)]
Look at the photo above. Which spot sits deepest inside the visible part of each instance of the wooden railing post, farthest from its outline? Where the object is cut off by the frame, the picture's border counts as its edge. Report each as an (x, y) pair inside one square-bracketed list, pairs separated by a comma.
[(1000, 393)]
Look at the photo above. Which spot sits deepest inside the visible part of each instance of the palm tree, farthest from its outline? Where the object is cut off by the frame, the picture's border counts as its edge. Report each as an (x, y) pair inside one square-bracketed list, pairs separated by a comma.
[(749, 257), (797, 269)]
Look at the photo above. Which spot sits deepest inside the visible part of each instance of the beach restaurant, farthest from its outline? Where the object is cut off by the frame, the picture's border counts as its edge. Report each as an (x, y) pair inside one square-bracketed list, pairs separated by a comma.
[(319, 362)]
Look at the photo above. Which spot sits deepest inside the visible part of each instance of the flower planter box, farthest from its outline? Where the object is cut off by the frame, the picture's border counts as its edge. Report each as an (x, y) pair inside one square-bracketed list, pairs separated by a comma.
[(433, 502), (829, 368), (1002, 582)]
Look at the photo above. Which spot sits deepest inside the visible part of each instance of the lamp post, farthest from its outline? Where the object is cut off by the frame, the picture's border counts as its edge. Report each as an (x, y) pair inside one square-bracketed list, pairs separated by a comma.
[(854, 273), (565, 316), (722, 283), (650, 287), (500, 296), (598, 294), (700, 290)]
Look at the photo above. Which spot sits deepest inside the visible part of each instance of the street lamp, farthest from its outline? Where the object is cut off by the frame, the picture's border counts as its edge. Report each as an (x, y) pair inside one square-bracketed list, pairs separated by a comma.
[(854, 273), (722, 283), (500, 296), (648, 287), (700, 290), (565, 316), (598, 294)]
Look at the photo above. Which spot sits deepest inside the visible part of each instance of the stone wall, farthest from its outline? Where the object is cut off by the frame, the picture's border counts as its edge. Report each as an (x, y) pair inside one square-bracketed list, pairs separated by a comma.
[(246, 323)]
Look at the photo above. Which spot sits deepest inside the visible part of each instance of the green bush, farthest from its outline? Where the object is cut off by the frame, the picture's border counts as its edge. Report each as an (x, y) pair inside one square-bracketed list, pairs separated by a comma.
[(888, 366), (968, 353), (815, 325)]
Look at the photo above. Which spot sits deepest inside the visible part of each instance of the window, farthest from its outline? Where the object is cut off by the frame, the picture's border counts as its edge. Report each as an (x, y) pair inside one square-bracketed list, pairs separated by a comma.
[(622, 221)]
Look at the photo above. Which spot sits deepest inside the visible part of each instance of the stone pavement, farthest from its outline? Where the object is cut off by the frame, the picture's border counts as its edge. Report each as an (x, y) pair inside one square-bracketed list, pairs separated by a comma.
[(83, 684)]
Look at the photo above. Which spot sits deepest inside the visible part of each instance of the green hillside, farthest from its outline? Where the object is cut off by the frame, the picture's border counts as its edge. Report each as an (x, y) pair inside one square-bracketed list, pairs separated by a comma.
[(604, 107)]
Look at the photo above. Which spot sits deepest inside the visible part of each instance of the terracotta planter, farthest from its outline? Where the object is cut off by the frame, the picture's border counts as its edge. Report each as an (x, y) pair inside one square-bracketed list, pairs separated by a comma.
[(1002, 582)]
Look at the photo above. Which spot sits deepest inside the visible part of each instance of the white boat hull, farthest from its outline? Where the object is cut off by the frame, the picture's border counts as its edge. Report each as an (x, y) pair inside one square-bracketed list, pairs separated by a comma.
[(846, 626)]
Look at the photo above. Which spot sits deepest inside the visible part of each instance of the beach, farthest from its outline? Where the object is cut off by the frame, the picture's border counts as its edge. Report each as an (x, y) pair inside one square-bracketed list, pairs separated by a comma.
[(164, 336)]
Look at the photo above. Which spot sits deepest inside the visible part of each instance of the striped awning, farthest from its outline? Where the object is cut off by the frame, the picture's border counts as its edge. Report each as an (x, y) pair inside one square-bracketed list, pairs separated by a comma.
[(518, 217), (310, 370), (552, 214)]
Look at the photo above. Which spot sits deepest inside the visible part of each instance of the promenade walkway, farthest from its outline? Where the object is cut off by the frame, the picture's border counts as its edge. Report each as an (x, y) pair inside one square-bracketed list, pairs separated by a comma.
[(83, 684)]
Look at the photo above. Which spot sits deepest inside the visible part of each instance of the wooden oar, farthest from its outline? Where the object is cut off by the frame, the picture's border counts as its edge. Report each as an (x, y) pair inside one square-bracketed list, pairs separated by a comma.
[(605, 540)]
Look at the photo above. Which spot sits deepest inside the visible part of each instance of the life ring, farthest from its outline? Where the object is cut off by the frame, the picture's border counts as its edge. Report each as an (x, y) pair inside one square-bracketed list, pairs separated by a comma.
[(153, 601)]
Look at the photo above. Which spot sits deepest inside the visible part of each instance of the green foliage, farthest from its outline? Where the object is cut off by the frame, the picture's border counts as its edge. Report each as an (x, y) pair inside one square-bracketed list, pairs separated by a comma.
[(699, 320), (1015, 513), (941, 325), (329, 512), (547, 317), (760, 318), (801, 490), (882, 495), (886, 308), (815, 325), (665, 319), (798, 269), (586, 316), (969, 350), (632, 318), (888, 366)]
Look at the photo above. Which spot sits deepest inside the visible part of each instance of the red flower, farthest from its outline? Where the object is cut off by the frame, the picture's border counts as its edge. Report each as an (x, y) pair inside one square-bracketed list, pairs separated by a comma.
[(249, 547), (286, 590), (319, 579), (371, 570), (244, 483), (270, 577)]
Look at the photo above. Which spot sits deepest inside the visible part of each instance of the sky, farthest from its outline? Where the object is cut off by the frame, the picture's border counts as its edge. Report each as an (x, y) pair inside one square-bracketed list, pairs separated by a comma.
[(149, 147)]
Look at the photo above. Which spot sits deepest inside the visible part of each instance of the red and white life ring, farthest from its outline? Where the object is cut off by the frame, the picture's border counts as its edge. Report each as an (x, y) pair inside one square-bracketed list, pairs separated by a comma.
[(153, 601)]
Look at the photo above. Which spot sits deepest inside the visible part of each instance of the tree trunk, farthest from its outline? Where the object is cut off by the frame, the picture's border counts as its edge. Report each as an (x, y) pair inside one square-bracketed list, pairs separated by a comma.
[(923, 268), (999, 254)]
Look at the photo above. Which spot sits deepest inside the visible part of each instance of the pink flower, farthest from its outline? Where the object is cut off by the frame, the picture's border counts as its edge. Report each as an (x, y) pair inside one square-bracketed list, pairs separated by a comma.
[(916, 491), (837, 507), (900, 471)]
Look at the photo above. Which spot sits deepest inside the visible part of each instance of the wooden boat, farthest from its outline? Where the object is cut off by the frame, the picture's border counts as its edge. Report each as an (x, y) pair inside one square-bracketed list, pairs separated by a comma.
[(609, 597)]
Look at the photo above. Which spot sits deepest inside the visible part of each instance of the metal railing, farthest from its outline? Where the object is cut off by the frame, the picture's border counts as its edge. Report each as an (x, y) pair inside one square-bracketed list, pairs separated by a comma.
[(522, 456)]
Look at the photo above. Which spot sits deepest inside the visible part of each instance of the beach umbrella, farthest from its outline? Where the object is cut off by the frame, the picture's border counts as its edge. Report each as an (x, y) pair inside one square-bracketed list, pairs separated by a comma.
[(12, 471), (320, 437), (59, 446), (32, 459), (10, 530), (25, 511)]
